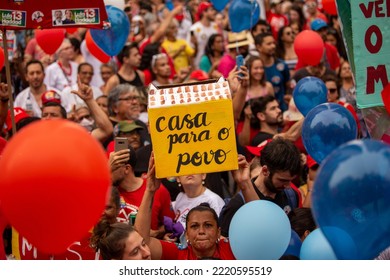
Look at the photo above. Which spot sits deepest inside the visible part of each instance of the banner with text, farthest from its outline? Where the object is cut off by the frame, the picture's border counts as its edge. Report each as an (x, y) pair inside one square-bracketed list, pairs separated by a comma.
[(371, 49), (192, 129), (27, 14)]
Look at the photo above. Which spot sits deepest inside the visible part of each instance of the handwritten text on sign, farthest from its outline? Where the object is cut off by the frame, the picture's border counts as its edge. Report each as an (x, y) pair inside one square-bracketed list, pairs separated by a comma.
[(191, 139), (371, 36)]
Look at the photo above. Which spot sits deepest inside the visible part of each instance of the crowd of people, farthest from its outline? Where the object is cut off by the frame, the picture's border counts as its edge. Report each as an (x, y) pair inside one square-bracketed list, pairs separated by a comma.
[(191, 42)]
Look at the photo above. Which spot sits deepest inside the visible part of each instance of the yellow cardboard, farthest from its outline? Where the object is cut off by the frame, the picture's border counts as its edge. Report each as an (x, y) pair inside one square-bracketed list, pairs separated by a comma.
[(193, 138)]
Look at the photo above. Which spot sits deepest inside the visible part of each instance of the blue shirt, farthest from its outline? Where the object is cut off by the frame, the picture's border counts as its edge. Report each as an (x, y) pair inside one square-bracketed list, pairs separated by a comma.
[(278, 75)]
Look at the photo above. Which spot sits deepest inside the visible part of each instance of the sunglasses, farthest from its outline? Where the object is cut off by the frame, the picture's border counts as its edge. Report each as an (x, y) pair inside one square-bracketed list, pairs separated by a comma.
[(157, 56), (332, 90)]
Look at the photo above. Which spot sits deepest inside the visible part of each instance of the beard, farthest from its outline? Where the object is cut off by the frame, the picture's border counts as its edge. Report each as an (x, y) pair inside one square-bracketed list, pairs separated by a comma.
[(269, 185)]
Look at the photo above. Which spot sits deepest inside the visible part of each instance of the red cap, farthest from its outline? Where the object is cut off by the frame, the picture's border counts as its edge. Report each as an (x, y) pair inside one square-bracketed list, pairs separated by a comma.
[(201, 8), (199, 75), (51, 96), (310, 162), (256, 151), (19, 113)]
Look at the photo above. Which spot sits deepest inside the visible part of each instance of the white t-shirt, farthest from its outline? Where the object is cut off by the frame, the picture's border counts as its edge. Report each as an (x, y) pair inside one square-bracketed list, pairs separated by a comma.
[(24, 95), (68, 99), (97, 78), (57, 79), (202, 34), (184, 204)]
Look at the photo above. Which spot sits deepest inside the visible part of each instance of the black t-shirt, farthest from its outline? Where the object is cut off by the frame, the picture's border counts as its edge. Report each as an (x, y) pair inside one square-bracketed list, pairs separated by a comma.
[(260, 138), (237, 201)]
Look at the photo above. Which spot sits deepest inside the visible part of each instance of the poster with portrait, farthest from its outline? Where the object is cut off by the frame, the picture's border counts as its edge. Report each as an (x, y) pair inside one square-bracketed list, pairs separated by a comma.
[(27, 14), (192, 128)]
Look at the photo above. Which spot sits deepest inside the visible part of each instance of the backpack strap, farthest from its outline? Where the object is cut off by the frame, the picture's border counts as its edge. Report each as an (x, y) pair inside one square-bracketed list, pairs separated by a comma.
[(242, 196), (291, 197)]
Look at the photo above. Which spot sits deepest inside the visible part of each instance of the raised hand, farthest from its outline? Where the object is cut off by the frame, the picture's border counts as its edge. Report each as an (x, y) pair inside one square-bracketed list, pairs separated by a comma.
[(84, 91)]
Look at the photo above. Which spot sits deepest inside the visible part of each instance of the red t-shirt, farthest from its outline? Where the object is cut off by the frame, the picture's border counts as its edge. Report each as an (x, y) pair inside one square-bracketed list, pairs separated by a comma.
[(170, 251), (276, 22), (130, 202)]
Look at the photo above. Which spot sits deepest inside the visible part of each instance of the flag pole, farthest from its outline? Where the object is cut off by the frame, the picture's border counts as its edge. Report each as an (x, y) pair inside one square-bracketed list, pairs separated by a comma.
[(8, 76)]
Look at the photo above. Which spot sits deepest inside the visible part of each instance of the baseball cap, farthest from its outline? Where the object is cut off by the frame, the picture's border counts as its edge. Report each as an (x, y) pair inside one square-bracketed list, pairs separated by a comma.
[(51, 96), (310, 162), (126, 126), (202, 7), (317, 24), (256, 151), (199, 75), (19, 114)]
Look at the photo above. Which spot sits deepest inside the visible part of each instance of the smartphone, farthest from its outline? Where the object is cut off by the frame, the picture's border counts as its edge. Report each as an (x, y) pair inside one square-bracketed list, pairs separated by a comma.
[(136, 28), (239, 62), (121, 143)]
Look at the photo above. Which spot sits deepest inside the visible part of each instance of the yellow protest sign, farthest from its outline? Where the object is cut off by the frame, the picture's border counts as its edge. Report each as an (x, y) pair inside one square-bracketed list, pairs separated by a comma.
[(193, 138)]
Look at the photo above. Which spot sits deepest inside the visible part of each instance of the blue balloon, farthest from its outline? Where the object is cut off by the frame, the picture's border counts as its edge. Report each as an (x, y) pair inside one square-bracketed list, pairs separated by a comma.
[(316, 247), (243, 14), (112, 40), (260, 230), (352, 194), (219, 5), (308, 93), (325, 128), (294, 247)]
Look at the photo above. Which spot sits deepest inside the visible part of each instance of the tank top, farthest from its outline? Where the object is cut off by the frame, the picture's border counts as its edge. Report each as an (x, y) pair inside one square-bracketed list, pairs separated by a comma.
[(137, 82)]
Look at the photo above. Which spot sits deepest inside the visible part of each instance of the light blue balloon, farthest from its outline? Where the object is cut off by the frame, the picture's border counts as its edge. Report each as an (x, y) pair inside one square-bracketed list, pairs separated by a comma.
[(308, 93), (112, 40), (294, 247), (219, 5), (260, 230), (316, 247), (243, 14), (325, 128), (351, 195)]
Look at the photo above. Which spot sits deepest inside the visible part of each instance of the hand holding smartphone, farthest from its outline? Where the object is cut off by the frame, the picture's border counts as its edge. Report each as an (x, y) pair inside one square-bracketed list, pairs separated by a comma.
[(121, 143), (239, 62)]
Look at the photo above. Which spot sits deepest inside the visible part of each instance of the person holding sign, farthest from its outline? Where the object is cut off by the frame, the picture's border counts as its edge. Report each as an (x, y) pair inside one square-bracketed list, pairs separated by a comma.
[(203, 232)]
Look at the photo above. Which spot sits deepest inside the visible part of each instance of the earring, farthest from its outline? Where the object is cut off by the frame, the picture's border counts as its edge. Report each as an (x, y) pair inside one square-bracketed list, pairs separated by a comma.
[(203, 183), (188, 242), (179, 184)]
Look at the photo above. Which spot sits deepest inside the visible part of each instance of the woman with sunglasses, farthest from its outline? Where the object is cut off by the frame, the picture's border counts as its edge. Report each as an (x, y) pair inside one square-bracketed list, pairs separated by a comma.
[(285, 48)]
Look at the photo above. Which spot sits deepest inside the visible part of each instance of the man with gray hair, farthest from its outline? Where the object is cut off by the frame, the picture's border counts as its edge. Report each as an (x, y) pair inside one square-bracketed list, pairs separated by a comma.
[(63, 72), (124, 105)]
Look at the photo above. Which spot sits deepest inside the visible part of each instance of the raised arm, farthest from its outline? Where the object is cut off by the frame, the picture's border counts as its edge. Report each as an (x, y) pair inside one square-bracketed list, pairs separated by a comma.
[(239, 92), (104, 127), (4, 98), (144, 215), (160, 32), (243, 180)]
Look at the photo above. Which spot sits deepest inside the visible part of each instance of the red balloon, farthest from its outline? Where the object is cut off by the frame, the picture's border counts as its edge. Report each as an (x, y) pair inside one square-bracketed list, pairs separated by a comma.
[(329, 6), (309, 47), (2, 58), (95, 50), (50, 39), (54, 183), (386, 97), (71, 30)]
